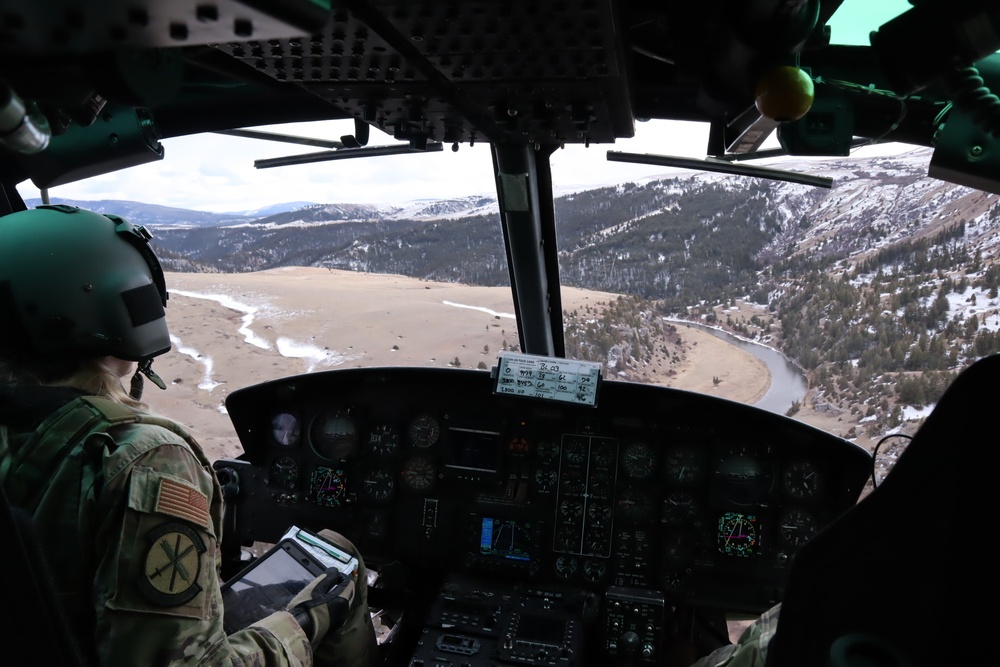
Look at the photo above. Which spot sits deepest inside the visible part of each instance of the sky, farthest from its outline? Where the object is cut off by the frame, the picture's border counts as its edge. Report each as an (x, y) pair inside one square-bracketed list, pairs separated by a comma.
[(213, 172)]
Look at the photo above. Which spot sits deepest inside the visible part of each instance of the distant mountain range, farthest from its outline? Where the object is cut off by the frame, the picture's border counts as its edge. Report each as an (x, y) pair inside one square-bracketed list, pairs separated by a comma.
[(685, 238), (156, 216)]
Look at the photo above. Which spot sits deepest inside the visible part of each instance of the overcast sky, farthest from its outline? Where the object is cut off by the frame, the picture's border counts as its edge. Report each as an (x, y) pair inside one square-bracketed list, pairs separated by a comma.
[(215, 172)]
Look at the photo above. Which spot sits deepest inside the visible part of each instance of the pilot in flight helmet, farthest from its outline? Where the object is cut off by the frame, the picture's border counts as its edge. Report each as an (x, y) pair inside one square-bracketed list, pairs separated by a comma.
[(75, 284)]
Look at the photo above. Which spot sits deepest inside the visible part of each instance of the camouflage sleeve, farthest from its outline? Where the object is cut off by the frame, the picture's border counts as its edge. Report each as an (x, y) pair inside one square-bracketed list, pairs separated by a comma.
[(751, 649), (156, 589)]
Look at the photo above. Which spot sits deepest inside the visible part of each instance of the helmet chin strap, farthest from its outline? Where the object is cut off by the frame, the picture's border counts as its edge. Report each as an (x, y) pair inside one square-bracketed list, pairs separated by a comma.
[(144, 367)]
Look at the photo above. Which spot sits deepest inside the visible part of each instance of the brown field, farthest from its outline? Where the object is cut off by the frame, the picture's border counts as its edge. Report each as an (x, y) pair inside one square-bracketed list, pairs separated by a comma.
[(365, 320)]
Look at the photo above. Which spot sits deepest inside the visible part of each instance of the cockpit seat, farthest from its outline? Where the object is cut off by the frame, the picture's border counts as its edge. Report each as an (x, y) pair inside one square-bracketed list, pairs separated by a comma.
[(908, 576), (35, 630)]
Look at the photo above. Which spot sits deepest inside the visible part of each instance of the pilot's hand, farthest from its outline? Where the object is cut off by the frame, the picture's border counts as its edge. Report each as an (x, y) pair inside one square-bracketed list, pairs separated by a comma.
[(323, 604)]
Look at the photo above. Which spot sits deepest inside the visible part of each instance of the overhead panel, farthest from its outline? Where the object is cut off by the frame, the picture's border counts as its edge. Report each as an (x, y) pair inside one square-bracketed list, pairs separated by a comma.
[(52, 27), (537, 71)]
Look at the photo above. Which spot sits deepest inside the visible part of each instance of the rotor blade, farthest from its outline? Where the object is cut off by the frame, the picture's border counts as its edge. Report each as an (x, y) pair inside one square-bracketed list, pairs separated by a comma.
[(344, 154), (285, 138), (721, 166)]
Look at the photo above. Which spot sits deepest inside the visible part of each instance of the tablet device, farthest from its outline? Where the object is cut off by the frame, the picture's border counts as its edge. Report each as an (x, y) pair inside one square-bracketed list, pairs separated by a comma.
[(268, 584)]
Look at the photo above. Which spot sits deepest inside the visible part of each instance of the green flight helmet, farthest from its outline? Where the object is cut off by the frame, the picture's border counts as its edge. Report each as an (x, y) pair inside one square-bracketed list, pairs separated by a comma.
[(78, 284)]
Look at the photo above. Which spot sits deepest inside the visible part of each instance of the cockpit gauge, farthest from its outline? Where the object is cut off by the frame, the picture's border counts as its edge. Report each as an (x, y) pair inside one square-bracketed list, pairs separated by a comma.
[(547, 451), (379, 485), (604, 455), (744, 475), (546, 480), (802, 480), (571, 482), (597, 541), (679, 509), (418, 474), (634, 506), (424, 431), (575, 451), (383, 440), (737, 535), (599, 513), (685, 465), (285, 429), (676, 579), (328, 486), (567, 539), (639, 460), (570, 509), (334, 435), (797, 526), (599, 484), (284, 473), (594, 570), (566, 567)]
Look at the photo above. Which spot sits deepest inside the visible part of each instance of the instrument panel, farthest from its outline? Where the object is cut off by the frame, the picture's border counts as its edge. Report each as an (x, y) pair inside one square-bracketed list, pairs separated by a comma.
[(697, 499)]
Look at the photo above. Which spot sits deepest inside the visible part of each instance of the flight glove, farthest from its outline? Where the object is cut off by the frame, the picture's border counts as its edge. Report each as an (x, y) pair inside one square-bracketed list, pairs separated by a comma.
[(323, 604)]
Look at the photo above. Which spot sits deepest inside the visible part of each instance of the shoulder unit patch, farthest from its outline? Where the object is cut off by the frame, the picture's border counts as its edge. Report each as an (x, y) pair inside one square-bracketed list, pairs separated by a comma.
[(171, 565)]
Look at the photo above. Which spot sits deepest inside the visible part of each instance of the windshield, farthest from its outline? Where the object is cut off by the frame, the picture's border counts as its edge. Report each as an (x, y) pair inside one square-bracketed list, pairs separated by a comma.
[(823, 304), (850, 308)]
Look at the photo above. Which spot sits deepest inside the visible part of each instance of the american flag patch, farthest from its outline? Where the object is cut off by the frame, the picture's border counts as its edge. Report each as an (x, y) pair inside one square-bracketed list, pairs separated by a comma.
[(182, 501)]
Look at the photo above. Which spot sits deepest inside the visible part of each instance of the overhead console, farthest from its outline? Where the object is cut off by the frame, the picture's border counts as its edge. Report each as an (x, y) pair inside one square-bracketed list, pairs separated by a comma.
[(605, 514)]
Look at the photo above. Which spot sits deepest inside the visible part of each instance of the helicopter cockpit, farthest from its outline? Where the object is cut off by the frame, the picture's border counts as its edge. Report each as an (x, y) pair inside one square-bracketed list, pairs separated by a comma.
[(539, 512)]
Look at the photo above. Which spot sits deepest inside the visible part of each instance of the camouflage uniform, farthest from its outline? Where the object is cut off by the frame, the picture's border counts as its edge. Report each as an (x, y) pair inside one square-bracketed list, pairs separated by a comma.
[(751, 649), (130, 519)]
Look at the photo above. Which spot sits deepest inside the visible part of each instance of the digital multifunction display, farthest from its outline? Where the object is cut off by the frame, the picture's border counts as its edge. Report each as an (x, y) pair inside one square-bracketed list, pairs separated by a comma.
[(737, 534), (551, 378), (505, 539)]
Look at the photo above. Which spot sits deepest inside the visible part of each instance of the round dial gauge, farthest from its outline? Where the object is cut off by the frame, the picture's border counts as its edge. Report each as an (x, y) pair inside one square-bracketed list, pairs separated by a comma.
[(685, 465), (424, 431), (639, 460), (284, 473), (418, 474), (802, 480), (285, 429), (547, 451), (379, 485), (676, 579), (571, 482), (798, 526), (334, 435), (567, 539), (599, 513), (566, 567), (679, 509), (597, 540), (546, 481), (745, 476), (635, 506), (383, 439), (575, 451), (570, 509), (604, 455), (594, 570)]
